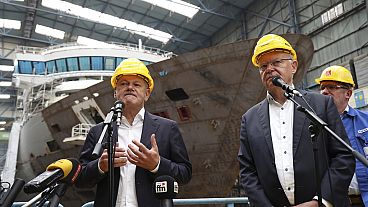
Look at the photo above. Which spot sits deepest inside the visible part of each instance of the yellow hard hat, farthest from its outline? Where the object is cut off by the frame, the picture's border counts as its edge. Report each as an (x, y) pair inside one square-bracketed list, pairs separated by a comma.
[(336, 73), (132, 66), (269, 43)]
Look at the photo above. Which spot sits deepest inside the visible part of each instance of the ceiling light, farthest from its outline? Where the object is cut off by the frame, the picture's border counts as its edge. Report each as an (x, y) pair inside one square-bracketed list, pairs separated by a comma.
[(177, 6), (85, 98), (10, 24), (95, 16), (88, 41), (4, 96), (76, 101), (5, 83), (95, 94), (48, 31), (6, 67), (2, 122), (2, 129)]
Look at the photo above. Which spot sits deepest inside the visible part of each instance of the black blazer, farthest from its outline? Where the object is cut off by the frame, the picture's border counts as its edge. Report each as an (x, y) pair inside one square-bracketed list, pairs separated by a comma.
[(173, 154), (258, 173)]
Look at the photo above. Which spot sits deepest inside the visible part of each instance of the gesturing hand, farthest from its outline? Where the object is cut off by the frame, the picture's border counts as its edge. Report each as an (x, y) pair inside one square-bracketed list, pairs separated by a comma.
[(139, 155)]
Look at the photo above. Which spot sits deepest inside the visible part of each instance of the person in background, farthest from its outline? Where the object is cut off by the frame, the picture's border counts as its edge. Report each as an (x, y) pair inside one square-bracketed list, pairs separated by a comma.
[(337, 82), (276, 153), (148, 145)]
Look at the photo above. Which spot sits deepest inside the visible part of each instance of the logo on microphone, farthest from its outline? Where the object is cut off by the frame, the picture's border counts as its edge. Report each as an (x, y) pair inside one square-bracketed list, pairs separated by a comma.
[(161, 187), (176, 187)]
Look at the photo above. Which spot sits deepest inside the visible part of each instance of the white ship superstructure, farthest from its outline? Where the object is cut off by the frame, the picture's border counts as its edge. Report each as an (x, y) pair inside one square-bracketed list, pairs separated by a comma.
[(45, 76)]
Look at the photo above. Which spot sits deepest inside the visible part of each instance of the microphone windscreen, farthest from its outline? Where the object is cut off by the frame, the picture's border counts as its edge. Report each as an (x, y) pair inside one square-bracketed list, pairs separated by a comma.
[(70, 167), (119, 104), (165, 187), (276, 81)]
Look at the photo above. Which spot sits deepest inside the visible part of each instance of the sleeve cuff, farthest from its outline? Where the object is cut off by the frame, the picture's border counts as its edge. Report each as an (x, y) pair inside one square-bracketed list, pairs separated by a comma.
[(156, 168), (324, 202)]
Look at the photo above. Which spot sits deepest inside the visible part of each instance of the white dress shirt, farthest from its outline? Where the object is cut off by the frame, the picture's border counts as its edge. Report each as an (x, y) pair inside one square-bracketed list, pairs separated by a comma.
[(127, 196), (281, 125)]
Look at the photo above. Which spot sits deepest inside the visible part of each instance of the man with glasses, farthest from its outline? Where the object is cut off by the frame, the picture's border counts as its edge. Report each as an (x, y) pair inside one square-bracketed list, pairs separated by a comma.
[(276, 152), (337, 82)]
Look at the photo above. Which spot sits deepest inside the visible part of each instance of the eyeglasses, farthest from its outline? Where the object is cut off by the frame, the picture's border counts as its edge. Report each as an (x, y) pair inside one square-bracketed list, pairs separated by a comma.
[(331, 87), (275, 63)]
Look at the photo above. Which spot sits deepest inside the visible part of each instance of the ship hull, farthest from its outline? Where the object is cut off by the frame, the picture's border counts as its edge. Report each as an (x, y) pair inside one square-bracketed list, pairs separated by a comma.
[(206, 92)]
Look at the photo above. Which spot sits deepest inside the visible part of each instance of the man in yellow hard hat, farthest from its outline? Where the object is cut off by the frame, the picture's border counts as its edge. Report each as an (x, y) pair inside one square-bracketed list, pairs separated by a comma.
[(276, 153), (337, 82), (148, 145)]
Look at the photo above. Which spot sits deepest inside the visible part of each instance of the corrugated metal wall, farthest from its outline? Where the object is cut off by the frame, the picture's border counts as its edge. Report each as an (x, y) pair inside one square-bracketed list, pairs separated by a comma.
[(336, 42)]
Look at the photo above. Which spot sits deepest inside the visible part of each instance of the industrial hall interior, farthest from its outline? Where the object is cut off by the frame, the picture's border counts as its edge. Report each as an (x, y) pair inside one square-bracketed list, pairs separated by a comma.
[(71, 77)]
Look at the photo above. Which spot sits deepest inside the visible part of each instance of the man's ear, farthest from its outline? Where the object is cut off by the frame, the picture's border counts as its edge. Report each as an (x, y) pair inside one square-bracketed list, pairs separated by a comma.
[(349, 93), (294, 64), (148, 94)]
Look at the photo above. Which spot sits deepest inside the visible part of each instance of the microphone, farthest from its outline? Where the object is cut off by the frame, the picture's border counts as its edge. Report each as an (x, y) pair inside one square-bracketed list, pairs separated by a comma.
[(9, 196), (277, 81), (118, 110), (64, 170), (165, 188)]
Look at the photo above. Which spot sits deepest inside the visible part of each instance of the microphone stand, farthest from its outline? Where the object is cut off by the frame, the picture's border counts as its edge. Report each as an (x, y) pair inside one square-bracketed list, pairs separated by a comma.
[(166, 203), (315, 126), (58, 192), (110, 117), (44, 196), (111, 152), (97, 151)]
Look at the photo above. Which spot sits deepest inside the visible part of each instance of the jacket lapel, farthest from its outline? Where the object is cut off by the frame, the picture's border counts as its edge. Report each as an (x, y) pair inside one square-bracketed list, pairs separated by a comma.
[(265, 124), (150, 126)]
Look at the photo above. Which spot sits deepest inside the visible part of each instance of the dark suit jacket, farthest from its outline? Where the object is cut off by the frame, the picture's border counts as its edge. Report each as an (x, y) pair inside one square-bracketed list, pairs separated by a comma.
[(173, 155), (257, 161)]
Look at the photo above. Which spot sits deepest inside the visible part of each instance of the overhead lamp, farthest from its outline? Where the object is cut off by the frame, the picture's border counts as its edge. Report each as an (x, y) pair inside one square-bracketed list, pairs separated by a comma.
[(10, 24), (85, 98), (88, 41), (48, 31), (2, 129), (99, 17), (177, 6), (4, 96), (6, 67), (95, 94), (2, 122), (5, 83)]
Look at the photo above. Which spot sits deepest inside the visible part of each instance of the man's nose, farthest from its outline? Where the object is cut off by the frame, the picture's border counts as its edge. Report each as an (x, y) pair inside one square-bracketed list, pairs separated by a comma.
[(130, 86)]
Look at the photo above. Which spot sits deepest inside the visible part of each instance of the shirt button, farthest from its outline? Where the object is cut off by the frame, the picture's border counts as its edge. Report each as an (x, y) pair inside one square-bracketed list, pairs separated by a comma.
[(284, 152), (289, 188), (282, 108), (284, 137), (286, 169), (283, 122)]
